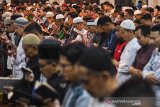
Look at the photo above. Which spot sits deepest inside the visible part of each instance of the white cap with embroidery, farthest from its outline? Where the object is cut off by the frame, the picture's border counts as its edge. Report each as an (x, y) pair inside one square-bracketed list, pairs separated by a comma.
[(78, 20), (128, 24), (59, 16), (137, 12), (49, 14)]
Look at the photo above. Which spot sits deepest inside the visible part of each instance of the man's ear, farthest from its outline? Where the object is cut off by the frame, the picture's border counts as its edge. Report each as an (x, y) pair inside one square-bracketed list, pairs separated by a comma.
[(54, 65), (34, 47), (105, 75)]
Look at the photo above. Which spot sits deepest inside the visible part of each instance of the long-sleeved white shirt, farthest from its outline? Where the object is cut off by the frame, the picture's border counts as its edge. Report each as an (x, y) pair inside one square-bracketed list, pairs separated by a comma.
[(19, 61), (153, 65), (79, 37), (126, 60), (128, 55)]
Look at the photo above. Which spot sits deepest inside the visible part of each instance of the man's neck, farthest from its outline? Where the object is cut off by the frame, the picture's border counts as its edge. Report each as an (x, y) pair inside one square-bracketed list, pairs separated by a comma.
[(131, 37)]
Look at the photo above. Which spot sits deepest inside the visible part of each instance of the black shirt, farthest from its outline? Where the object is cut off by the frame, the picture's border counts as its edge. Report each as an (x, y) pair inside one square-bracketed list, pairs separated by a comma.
[(33, 65), (57, 81)]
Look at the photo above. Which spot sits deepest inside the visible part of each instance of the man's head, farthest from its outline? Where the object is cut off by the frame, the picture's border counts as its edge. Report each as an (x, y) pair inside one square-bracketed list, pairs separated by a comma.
[(119, 18), (137, 23), (92, 25), (149, 10), (48, 51), (137, 14), (126, 29), (63, 7), (78, 22), (7, 23), (157, 11), (146, 19), (34, 28), (30, 45), (69, 56), (49, 16), (138, 89), (20, 24), (142, 32), (6, 14), (88, 10), (105, 23), (71, 16), (13, 18), (97, 72), (155, 34), (60, 19), (143, 9), (128, 14), (107, 6)]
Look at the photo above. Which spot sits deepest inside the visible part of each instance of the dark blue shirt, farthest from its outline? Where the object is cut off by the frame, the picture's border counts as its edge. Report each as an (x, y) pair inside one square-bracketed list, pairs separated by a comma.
[(111, 41)]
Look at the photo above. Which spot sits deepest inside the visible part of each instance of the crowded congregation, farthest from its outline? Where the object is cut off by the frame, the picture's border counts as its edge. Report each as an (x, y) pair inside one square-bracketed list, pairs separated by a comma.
[(79, 54)]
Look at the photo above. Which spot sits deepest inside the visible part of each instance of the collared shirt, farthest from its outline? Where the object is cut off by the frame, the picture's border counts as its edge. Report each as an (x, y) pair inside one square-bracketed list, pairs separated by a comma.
[(76, 96), (153, 66), (128, 55), (143, 56)]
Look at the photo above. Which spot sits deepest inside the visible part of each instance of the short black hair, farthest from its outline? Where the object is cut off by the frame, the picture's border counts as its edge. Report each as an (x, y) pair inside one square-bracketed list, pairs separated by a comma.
[(118, 9), (147, 17), (73, 51), (137, 89), (106, 3), (55, 3), (130, 11), (149, 9), (139, 1), (49, 49), (111, 5), (134, 88), (145, 30), (73, 15), (87, 18), (47, 9), (155, 28), (15, 16), (97, 60), (33, 27), (137, 21), (158, 8), (103, 20), (88, 7)]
